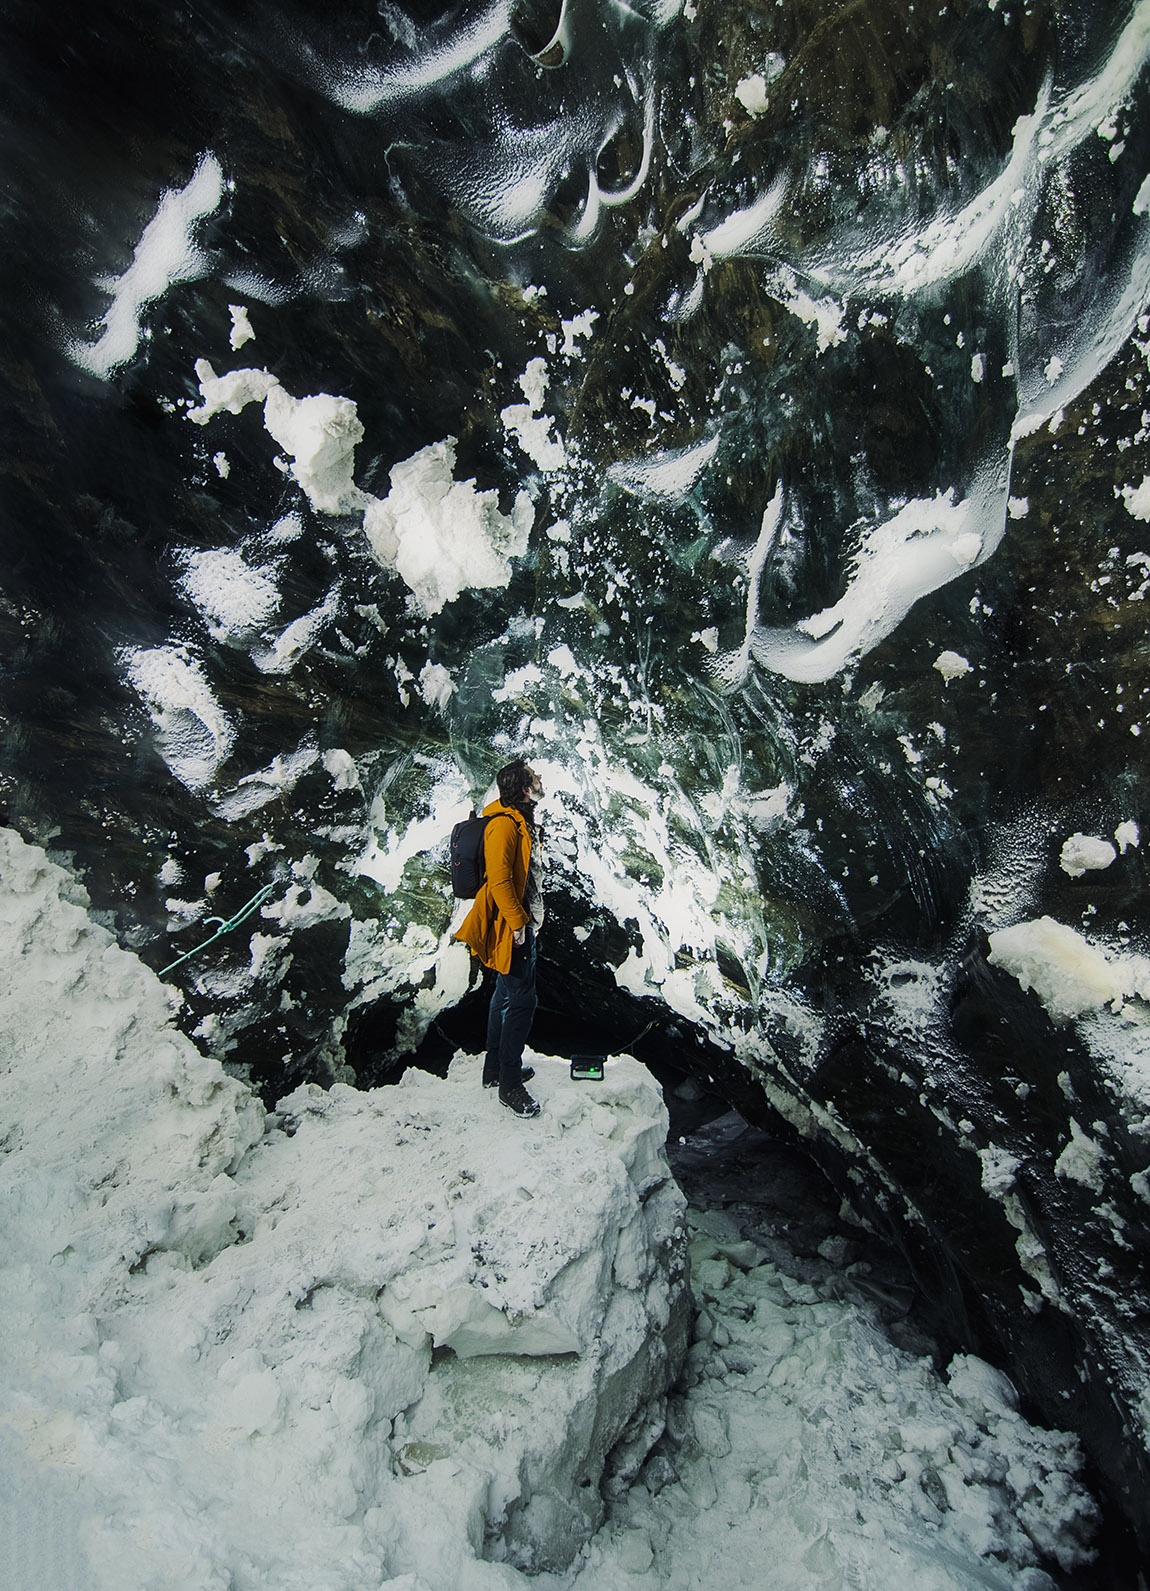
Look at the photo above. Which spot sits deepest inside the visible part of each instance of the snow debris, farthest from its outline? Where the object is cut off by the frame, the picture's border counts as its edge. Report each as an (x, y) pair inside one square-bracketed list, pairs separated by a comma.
[(1127, 834), (1137, 499), (1081, 1160), (1083, 853), (241, 331), (1070, 976), (193, 733), (768, 1477), (951, 665), (442, 535)]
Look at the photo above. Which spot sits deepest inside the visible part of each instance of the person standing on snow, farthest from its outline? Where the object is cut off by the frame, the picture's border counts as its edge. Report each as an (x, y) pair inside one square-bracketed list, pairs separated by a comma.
[(500, 929)]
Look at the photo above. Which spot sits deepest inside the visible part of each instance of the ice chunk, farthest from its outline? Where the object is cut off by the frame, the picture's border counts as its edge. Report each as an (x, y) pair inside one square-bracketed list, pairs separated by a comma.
[(951, 665), (241, 331), (1081, 1160), (1069, 975), (442, 535), (1083, 853), (1127, 834), (320, 434)]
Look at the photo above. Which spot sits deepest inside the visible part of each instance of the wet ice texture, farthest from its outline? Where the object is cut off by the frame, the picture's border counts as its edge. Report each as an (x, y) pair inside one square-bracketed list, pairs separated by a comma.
[(378, 1334)]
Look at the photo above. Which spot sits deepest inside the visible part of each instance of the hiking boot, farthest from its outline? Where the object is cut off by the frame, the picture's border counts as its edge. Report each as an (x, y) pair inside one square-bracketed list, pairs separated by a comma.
[(517, 1098), (493, 1082)]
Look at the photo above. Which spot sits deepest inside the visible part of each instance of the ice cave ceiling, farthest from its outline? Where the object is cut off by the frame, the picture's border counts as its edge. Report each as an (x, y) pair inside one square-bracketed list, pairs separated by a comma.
[(743, 410)]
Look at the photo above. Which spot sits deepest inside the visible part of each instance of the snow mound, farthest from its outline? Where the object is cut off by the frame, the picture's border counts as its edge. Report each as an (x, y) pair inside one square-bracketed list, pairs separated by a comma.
[(393, 1337)]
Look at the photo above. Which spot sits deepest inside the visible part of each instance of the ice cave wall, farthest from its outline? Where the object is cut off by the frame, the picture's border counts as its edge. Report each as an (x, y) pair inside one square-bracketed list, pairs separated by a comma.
[(743, 411)]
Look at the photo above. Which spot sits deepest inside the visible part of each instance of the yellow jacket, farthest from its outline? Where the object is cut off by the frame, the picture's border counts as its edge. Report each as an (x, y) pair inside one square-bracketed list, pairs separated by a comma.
[(498, 911)]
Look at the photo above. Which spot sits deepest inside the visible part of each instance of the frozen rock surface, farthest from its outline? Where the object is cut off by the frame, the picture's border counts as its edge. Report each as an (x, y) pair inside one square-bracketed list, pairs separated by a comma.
[(376, 1337)]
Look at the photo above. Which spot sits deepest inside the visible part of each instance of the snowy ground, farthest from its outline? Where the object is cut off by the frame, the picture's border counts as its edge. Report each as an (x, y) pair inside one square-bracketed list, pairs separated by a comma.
[(399, 1338)]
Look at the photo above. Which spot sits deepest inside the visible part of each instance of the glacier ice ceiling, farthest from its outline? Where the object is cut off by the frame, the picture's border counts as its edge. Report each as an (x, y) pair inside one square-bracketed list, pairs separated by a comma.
[(744, 411)]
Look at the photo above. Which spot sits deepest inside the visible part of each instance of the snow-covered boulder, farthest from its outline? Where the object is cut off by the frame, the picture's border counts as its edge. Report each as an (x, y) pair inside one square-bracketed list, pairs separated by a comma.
[(394, 1336)]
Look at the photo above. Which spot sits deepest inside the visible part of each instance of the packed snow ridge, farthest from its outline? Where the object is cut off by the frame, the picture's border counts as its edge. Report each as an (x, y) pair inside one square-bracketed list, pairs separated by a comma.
[(392, 1337), (399, 1339)]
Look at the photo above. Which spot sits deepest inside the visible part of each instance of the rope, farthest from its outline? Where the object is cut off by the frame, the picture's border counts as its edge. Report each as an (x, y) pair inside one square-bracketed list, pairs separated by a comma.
[(225, 927)]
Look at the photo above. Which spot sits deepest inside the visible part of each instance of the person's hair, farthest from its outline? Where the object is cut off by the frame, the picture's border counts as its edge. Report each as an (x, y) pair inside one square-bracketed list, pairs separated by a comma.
[(513, 782)]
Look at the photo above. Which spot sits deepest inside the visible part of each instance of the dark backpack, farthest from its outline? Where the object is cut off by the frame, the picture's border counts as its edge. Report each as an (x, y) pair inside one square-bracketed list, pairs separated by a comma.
[(468, 863)]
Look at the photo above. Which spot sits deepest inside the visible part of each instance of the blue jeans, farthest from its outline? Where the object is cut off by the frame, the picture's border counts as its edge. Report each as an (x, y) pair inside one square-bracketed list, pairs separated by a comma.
[(509, 1019)]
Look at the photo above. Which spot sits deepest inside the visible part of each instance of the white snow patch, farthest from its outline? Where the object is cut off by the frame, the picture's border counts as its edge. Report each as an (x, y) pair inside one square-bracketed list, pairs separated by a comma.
[(436, 685), (1081, 1160), (747, 230), (1083, 853), (285, 650), (951, 665), (441, 535), (667, 474), (166, 253), (1127, 834), (193, 733), (999, 1169), (751, 93), (926, 544), (232, 391), (255, 790), (241, 331), (341, 765), (233, 598), (1137, 498), (319, 433), (1070, 976), (533, 433)]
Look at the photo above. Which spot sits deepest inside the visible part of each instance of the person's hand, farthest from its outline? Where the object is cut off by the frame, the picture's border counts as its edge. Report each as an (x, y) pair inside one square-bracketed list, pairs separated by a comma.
[(519, 936)]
